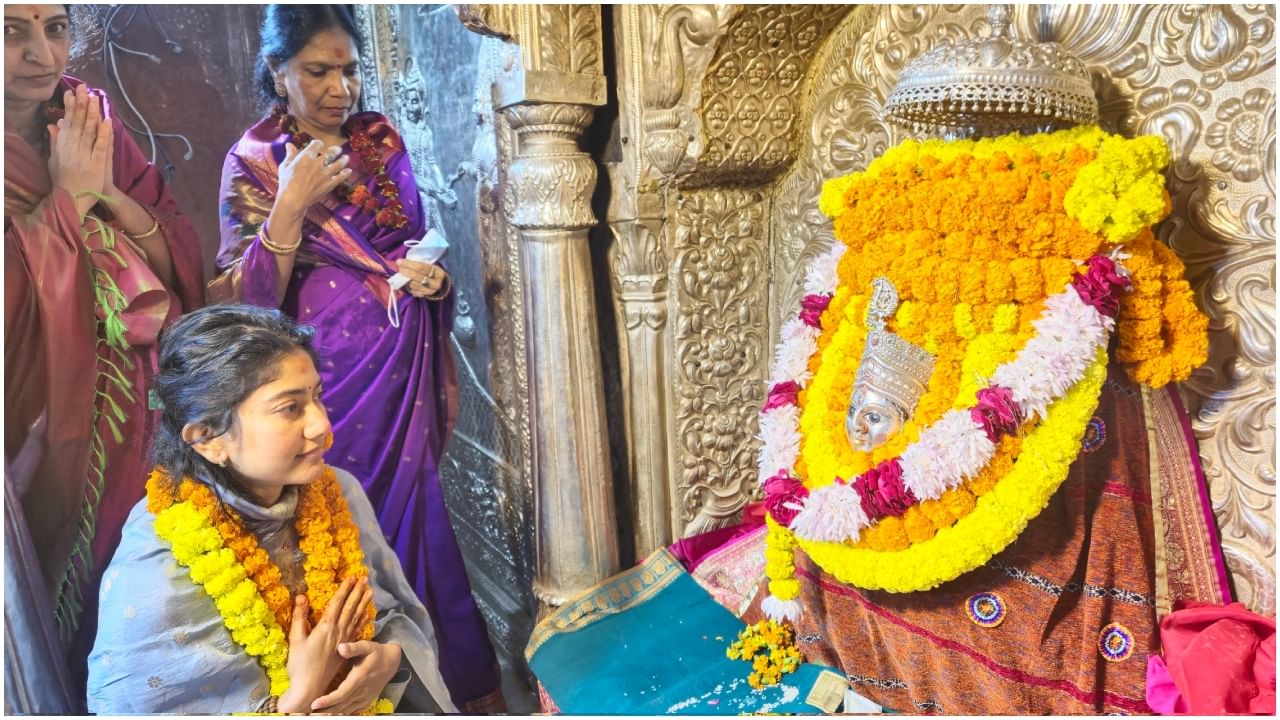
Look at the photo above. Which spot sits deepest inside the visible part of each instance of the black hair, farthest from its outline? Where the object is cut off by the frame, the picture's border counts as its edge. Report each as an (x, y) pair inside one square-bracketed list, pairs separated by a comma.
[(211, 360), (286, 30)]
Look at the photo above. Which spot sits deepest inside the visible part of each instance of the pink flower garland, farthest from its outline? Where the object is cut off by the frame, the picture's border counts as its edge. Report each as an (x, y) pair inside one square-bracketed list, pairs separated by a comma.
[(998, 412)]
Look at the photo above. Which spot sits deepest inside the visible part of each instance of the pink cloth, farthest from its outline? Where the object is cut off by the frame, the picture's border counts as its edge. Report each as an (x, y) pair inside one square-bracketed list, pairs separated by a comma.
[(1218, 659), (691, 551)]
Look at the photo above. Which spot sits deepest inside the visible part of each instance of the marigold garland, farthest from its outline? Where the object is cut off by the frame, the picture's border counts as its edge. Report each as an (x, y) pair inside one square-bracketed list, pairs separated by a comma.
[(919, 215), (226, 560), (998, 516), (770, 648)]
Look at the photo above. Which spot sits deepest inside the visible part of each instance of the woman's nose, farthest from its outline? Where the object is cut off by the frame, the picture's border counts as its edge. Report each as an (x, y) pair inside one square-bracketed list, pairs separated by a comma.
[(38, 52), (317, 421)]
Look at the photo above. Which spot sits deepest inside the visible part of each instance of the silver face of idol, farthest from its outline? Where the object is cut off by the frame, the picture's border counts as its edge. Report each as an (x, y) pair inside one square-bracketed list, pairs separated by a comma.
[(873, 418)]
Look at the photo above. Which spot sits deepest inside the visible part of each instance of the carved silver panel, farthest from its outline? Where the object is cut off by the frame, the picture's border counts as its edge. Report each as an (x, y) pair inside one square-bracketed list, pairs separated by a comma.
[(424, 70)]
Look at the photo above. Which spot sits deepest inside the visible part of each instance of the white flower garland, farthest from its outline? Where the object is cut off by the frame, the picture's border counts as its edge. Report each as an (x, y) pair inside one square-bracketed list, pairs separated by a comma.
[(1068, 336)]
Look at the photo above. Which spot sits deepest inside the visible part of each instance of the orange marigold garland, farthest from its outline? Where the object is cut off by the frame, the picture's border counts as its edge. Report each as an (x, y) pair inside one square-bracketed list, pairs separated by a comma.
[(327, 536), (976, 236)]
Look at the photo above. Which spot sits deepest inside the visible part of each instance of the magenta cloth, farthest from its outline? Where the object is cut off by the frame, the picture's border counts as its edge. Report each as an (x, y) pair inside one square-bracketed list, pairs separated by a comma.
[(1219, 659), (691, 551), (391, 392), (1162, 692)]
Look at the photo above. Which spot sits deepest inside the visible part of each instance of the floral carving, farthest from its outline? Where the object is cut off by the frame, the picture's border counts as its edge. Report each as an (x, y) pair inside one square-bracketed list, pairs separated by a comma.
[(752, 90), (721, 293), (1239, 135)]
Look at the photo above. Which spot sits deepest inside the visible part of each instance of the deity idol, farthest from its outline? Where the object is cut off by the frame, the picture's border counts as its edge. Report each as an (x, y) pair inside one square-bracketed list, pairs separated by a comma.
[(982, 489)]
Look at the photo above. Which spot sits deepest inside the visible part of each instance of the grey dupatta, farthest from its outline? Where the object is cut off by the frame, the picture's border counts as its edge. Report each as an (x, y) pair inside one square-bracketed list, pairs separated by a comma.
[(162, 646)]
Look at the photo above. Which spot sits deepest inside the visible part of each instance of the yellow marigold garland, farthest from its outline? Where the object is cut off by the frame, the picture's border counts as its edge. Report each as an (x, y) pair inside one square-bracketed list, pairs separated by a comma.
[(997, 518), (239, 575), (921, 214), (770, 648), (197, 546)]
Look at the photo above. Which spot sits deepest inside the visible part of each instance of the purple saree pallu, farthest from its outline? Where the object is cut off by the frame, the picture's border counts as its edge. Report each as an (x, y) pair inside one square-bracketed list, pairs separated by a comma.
[(390, 391)]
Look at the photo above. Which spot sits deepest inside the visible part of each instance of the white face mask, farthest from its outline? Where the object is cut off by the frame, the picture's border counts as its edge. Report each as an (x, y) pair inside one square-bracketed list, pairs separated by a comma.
[(429, 249)]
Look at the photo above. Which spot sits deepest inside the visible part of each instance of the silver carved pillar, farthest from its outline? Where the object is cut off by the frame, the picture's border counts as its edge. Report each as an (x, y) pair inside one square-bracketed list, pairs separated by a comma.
[(551, 182)]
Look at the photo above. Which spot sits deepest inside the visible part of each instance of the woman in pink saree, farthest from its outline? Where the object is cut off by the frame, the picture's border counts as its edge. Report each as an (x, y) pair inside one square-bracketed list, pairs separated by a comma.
[(97, 260), (317, 205)]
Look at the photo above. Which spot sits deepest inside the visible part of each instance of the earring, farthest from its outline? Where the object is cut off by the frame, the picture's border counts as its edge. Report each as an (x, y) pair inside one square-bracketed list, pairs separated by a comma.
[(279, 88), (223, 462)]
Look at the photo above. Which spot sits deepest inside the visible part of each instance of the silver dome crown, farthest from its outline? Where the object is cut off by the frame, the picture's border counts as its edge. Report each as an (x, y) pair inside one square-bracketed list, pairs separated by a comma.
[(995, 84)]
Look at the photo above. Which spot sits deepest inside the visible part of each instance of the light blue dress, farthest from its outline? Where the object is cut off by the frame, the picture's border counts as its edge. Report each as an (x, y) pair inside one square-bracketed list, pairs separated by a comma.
[(162, 646)]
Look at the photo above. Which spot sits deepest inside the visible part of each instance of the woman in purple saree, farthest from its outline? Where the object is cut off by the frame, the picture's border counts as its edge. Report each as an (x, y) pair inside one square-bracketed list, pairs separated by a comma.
[(388, 376)]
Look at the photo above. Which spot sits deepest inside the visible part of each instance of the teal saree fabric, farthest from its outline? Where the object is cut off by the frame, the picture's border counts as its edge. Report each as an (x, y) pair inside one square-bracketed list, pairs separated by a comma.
[(651, 641)]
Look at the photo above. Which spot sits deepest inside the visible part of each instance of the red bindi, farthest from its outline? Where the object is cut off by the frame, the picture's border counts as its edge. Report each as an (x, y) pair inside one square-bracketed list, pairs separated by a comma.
[(340, 54), (37, 16)]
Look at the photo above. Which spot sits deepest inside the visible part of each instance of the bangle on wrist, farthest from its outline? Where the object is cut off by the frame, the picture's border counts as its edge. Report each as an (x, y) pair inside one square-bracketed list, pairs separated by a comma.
[(155, 227), (277, 249), (446, 287)]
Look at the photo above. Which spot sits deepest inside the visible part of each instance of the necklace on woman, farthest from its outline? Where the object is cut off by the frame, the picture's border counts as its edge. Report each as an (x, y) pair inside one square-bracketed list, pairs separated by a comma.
[(384, 203)]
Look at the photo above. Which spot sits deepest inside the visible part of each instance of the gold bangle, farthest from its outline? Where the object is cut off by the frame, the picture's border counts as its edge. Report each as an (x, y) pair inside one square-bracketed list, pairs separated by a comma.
[(446, 288), (277, 249), (155, 225)]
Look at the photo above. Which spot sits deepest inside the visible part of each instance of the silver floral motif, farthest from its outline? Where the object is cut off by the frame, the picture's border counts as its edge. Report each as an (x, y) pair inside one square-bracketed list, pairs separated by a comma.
[(1240, 132)]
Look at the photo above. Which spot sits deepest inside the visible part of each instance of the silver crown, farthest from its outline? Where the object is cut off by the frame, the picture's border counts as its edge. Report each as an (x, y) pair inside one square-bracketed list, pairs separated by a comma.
[(995, 85), (890, 365)]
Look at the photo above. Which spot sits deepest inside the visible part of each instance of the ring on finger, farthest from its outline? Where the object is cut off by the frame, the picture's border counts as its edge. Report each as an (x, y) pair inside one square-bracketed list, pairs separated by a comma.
[(431, 273)]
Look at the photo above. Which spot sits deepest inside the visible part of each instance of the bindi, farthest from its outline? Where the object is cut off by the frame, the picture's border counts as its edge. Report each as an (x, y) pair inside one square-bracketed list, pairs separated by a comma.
[(340, 54), (36, 16)]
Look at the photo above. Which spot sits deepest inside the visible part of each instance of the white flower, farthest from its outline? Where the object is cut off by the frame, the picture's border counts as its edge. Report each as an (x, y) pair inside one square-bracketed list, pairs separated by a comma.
[(799, 342), (950, 450), (833, 513), (824, 277), (780, 440), (779, 610)]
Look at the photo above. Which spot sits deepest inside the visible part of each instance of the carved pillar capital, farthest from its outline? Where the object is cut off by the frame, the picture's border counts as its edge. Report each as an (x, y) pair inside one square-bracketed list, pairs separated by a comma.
[(551, 179)]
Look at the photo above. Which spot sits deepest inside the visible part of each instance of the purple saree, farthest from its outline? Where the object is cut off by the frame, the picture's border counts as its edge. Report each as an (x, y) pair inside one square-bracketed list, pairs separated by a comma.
[(391, 392)]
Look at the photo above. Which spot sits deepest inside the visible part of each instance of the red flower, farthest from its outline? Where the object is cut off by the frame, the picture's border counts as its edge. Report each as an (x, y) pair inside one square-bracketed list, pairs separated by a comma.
[(784, 393), (882, 492), (1100, 285), (812, 309), (783, 496), (996, 412)]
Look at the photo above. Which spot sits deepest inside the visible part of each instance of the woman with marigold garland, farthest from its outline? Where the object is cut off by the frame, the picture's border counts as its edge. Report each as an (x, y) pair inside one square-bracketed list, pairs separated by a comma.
[(254, 577), (318, 207)]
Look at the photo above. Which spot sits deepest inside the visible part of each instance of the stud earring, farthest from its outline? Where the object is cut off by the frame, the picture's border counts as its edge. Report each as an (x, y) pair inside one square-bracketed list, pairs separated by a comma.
[(223, 462), (280, 88)]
